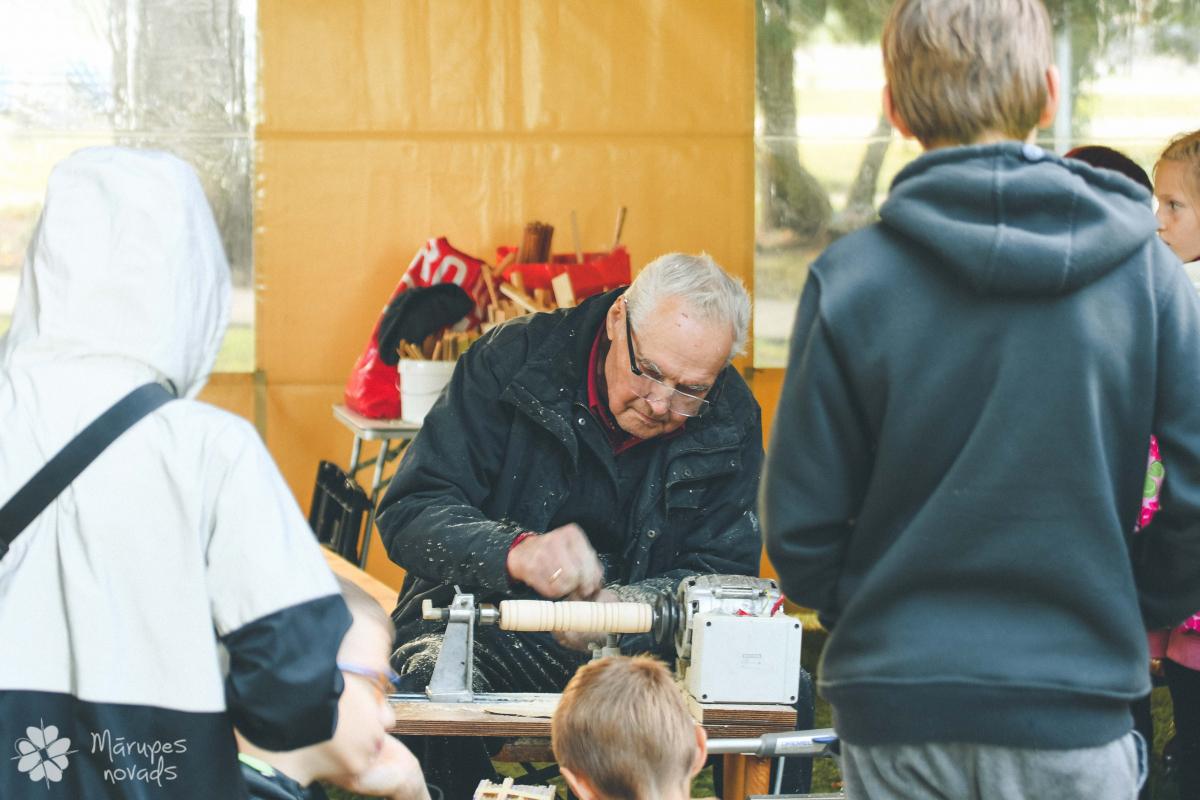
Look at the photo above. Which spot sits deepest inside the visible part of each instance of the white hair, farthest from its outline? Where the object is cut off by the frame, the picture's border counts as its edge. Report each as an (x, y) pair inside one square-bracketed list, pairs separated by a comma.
[(701, 285)]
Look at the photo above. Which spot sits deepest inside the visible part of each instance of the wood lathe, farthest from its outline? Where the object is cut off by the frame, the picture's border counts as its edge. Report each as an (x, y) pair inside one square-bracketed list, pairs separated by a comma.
[(733, 646)]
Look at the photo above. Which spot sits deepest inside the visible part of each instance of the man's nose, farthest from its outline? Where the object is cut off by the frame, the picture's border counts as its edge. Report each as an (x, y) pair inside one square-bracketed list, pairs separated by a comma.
[(658, 405), (1158, 215)]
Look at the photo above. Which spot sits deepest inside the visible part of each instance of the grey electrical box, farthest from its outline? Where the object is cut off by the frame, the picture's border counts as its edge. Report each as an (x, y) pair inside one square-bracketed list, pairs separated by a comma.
[(744, 659)]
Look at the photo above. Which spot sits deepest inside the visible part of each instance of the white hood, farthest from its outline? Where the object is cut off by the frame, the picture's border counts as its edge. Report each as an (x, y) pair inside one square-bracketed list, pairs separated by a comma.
[(125, 263)]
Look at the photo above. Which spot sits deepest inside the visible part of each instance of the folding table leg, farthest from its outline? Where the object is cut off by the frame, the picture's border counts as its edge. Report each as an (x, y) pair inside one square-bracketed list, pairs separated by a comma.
[(375, 484)]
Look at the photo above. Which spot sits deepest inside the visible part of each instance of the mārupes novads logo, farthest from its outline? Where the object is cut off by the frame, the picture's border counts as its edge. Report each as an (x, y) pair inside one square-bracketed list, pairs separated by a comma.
[(42, 753)]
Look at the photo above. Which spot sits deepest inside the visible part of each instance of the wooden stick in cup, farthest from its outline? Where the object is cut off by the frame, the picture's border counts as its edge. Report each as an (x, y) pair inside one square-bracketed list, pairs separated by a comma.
[(620, 225), (506, 262), (521, 299), (575, 234), (489, 283)]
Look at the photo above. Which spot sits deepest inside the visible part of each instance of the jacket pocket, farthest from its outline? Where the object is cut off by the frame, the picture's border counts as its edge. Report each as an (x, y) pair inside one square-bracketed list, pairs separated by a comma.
[(685, 496)]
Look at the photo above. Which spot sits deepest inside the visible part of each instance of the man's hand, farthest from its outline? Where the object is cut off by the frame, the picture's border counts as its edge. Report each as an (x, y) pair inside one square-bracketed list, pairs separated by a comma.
[(561, 562), (577, 640), (395, 774)]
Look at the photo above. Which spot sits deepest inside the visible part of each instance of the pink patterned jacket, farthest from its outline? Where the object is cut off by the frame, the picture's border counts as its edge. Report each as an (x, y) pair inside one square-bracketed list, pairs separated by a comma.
[(1181, 645)]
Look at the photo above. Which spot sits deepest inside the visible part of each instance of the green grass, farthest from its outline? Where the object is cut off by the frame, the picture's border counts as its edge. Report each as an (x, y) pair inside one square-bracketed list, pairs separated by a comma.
[(1164, 729), (769, 353), (1144, 105), (780, 274), (843, 102), (237, 351), (826, 777)]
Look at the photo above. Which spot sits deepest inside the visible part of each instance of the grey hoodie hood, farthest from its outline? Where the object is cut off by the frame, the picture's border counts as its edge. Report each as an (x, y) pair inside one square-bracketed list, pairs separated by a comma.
[(993, 214)]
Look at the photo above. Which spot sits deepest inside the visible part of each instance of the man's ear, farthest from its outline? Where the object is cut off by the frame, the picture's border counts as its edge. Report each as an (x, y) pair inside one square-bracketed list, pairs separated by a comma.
[(612, 320), (1053, 95), (889, 111), (701, 750), (580, 785)]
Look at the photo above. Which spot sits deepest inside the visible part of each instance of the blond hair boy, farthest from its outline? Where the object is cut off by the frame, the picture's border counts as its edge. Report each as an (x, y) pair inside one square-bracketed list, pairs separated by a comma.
[(623, 732), (362, 756), (959, 449), (969, 73)]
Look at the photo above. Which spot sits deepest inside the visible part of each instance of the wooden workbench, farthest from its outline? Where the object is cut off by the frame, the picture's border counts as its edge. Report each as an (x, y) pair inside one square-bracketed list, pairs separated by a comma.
[(744, 775), (385, 594)]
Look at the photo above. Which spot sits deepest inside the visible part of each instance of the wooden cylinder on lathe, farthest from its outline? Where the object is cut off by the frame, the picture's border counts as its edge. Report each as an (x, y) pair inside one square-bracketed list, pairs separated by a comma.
[(543, 615)]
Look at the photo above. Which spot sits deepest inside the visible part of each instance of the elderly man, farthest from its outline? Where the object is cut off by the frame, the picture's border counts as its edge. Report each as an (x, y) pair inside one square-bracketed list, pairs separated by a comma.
[(604, 452)]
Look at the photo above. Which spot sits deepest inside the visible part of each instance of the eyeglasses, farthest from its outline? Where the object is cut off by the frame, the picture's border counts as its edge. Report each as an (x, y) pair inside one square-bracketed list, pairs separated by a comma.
[(385, 682), (651, 390)]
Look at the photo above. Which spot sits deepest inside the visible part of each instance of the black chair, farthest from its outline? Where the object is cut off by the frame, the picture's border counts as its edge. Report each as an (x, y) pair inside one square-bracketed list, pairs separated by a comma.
[(338, 507)]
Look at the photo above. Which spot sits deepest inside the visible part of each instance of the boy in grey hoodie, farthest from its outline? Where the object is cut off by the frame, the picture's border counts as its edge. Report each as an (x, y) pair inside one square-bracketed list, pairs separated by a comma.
[(956, 464)]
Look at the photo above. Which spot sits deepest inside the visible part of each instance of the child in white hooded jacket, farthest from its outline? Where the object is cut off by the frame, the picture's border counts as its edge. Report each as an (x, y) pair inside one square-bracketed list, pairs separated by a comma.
[(173, 590)]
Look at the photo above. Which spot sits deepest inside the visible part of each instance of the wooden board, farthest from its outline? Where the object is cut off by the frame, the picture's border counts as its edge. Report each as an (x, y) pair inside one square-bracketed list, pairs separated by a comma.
[(471, 719), (769, 718), (383, 593), (564, 293), (532, 718), (748, 731)]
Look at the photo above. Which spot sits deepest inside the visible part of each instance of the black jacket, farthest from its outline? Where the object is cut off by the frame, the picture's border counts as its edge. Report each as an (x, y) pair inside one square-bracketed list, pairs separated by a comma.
[(498, 452), (959, 452), (265, 783)]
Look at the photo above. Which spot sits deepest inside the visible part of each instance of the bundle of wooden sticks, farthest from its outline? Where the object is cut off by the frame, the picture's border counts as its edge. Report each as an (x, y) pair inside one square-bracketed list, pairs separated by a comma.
[(449, 347), (535, 249), (535, 246), (509, 299)]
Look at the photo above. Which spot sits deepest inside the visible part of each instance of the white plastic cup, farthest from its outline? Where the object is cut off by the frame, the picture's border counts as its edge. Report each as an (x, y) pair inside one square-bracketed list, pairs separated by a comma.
[(421, 382)]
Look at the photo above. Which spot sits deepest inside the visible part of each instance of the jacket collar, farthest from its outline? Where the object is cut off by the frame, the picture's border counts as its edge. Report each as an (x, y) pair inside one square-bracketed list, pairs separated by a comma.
[(543, 389)]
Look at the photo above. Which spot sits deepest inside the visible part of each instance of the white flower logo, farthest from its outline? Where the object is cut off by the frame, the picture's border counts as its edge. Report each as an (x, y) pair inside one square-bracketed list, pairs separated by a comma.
[(43, 755)]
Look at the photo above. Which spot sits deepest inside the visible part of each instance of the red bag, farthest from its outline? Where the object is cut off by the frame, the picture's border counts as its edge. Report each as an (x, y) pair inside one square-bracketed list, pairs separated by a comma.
[(598, 270), (372, 390)]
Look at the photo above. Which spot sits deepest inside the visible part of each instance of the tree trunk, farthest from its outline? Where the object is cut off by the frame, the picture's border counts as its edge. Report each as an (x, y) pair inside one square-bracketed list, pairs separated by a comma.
[(860, 204), (791, 197)]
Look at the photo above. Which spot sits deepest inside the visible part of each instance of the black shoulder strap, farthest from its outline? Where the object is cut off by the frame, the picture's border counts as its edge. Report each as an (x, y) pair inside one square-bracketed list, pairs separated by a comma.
[(42, 489)]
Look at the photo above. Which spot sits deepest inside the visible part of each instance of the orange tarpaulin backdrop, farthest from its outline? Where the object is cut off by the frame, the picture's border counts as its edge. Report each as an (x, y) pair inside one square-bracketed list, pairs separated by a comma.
[(386, 122)]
